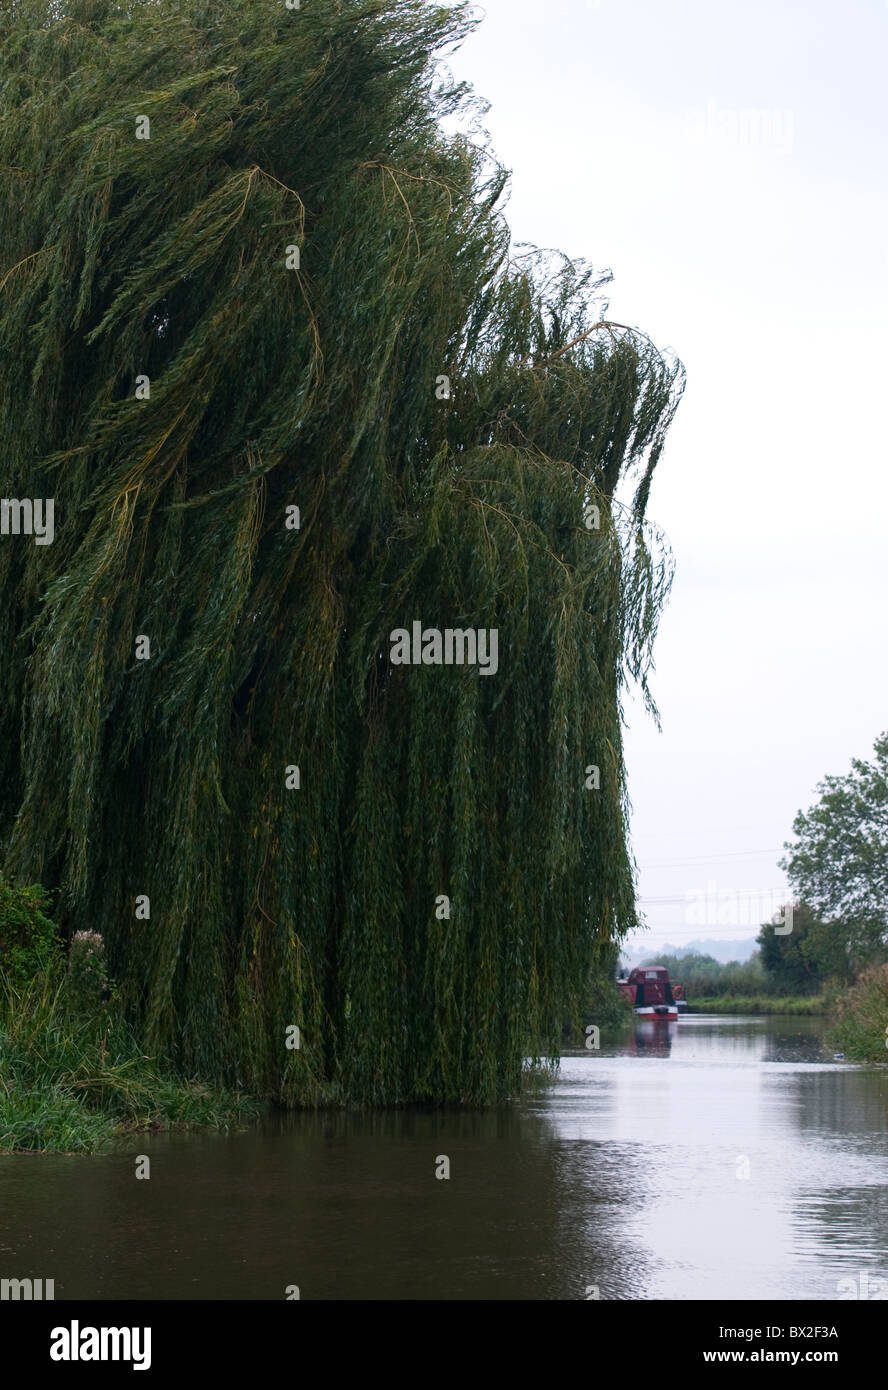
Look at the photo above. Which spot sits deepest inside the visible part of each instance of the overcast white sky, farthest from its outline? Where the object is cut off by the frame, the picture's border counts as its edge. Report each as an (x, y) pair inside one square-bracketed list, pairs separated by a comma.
[(756, 248)]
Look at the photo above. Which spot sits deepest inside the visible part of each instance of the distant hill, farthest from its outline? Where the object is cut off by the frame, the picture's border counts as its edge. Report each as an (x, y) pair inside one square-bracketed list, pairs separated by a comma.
[(723, 951)]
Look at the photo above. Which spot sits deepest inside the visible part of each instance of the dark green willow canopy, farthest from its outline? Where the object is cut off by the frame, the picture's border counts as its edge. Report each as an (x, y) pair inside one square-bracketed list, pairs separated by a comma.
[(273, 387)]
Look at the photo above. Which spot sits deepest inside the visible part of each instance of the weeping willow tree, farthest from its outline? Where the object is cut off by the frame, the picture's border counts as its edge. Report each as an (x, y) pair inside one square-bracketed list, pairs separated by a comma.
[(268, 349)]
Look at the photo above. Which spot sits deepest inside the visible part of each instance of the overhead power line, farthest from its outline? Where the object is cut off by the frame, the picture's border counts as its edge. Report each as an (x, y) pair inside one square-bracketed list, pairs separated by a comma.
[(708, 858), (694, 896)]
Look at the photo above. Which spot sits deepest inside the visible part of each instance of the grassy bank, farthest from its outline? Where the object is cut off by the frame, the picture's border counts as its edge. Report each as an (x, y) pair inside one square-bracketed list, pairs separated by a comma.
[(77, 1084), (858, 1021), (759, 1004)]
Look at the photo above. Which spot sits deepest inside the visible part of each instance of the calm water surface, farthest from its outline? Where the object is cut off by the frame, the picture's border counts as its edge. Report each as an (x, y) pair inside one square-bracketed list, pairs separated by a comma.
[(628, 1174)]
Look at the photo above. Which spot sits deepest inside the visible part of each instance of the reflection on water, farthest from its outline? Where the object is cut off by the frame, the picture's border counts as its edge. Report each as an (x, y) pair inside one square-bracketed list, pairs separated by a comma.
[(651, 1039), (709, 1158)]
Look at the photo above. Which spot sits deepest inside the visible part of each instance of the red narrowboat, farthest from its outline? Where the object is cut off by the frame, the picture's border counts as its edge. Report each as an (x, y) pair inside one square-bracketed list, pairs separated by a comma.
[(650, 993)]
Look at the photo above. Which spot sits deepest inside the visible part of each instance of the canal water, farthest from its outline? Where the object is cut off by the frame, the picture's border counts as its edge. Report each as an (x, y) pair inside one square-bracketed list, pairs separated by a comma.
[(715, 1158)]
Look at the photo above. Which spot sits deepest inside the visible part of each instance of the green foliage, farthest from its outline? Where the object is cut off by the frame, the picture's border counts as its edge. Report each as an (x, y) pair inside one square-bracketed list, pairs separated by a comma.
[(859, 1017), (604, 1004), (839, 861), (29, 944), (269, 388), (67, 1085), (705, 977), (608, 1007), (802, 960), (759, 1004), (87, 985)]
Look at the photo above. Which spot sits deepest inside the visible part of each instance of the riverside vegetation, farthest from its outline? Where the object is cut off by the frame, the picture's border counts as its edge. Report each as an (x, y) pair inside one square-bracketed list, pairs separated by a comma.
[(72, 1075), (292, 393), (834, 960), (749, 986), (817, 968)]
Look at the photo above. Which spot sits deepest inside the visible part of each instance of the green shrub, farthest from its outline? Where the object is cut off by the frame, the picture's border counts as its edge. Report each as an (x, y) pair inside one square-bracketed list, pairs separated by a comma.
[(29, 941), (859, 1018), (87, 983)]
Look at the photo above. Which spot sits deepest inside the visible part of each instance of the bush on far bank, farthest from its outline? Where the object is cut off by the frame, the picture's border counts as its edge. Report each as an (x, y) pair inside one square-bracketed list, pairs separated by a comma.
[(858, 1021)]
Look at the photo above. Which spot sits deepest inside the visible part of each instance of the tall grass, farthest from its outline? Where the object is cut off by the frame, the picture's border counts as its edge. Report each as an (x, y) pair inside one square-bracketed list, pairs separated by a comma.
[(859, 1017), (76, 1083)]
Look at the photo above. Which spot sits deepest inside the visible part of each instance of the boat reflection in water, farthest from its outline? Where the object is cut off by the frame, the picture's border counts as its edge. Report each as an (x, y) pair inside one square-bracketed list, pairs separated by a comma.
[(653, 1038)]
